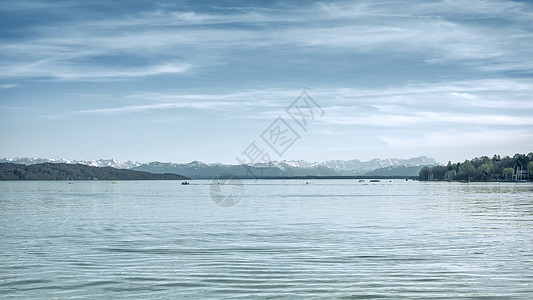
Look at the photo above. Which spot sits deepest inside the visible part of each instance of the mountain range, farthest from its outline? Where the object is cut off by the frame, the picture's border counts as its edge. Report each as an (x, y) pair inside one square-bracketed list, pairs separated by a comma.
[(285, 168), (93, 163)]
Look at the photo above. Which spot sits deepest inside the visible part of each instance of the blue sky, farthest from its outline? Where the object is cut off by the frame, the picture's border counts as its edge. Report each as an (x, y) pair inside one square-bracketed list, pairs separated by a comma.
[(201, 80)]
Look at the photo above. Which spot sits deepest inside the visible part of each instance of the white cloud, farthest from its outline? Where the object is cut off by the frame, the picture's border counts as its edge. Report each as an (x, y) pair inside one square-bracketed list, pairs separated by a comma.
[(464, 95), (159, 106), (53, 69), (419, 30), (253, 101), (7, 86), (420, 105)]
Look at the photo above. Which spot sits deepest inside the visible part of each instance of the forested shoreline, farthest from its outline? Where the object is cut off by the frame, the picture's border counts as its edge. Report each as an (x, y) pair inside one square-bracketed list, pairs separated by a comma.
[(62, 171), (516, 168)]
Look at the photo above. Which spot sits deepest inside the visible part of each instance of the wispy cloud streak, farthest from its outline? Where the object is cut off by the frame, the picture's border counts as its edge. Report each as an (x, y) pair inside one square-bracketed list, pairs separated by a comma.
[(432, 32)]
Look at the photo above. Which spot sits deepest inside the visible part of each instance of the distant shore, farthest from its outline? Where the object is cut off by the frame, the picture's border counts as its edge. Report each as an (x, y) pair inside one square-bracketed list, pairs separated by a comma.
[(62, 171)]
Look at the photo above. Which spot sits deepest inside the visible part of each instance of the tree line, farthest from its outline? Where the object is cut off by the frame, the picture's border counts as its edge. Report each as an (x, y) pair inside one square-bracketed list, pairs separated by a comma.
[(484, 168), (61, 171)]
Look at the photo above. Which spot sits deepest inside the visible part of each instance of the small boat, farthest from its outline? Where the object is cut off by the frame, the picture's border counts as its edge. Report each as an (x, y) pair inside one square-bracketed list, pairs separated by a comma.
[(374, 180), (185, 183)]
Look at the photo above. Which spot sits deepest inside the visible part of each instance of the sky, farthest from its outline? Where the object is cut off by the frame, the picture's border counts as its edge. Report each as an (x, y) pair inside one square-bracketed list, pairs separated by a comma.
[(219, 81)]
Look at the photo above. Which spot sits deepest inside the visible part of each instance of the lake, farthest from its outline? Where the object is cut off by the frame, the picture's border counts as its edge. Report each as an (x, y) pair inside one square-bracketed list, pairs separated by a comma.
[(306, 239)]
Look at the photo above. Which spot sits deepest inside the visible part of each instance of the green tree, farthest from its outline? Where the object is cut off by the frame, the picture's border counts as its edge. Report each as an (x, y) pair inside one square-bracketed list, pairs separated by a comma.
[(423, 175), (507, 173), (483, 171), (438, 172), (466, 170), (496, 171), (481, 168), (450, 175)]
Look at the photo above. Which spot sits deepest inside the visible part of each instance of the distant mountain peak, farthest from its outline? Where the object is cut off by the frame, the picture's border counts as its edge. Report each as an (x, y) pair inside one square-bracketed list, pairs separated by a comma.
[(93, 163)]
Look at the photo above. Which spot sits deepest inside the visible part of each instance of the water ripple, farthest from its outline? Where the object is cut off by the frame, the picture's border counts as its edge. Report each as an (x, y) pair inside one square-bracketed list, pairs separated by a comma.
[(332, 240)]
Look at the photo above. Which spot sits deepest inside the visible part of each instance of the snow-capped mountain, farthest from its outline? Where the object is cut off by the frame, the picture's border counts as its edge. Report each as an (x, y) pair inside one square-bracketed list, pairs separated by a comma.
[(356, 167), (111, 163), (288, 164), (94, 163), (352, 166), (196, 169)]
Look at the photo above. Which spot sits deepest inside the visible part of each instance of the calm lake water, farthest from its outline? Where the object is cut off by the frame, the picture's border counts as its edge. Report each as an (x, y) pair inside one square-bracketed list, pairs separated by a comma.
[(329, 239)]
